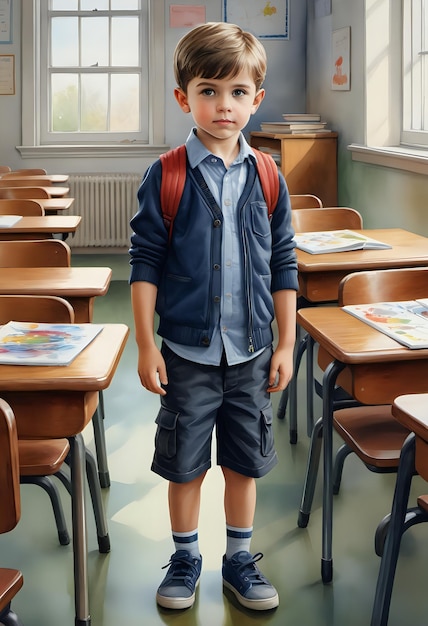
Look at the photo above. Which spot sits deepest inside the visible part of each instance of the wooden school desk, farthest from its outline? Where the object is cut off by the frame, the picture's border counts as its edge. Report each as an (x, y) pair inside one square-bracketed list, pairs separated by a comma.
[(79, 285), (51, 178), (53, 205), (319, 278), (368, 364), (41, 227), (55, 402), (52, 190)]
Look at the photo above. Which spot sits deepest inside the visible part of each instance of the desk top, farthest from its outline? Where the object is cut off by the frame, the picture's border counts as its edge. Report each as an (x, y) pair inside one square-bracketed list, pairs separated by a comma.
[(53, 191), (53, 178), (91, 370), (320, 274), (288, 136), (55, 204), (351, 340), (55, 281), (44, 224)]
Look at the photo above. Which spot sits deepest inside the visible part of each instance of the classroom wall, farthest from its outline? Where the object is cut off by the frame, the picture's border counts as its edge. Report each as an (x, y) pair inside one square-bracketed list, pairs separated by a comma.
[(385, 196), (285, 85)]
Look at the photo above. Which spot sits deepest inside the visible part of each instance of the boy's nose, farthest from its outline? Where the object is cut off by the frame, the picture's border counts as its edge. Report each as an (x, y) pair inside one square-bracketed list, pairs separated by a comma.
[(224, 105)]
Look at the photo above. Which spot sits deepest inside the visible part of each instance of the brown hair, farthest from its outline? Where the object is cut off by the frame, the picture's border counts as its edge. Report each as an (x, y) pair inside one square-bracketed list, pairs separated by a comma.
[(218, 50)]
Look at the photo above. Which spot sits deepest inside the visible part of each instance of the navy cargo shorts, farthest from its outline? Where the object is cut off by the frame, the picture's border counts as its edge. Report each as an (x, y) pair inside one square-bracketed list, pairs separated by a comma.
[(232, 399)]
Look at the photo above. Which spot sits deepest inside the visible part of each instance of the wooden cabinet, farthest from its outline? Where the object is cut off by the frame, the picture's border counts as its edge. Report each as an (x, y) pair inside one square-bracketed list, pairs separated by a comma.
[(308, 162)]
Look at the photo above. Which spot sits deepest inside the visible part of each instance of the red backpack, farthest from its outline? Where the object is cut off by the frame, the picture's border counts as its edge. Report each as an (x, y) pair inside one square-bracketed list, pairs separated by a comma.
[(174, 177)]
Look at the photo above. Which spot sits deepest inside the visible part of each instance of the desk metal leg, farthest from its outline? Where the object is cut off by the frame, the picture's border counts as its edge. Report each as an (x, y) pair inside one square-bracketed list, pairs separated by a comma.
[(391, 550), (309, 385), (100, 443), (80, 540), (329, 379)]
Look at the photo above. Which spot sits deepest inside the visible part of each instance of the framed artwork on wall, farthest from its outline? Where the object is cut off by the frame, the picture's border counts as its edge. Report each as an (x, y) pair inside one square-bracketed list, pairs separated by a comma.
[(5, 21), (7, 74), (264, 18), (341, 59)]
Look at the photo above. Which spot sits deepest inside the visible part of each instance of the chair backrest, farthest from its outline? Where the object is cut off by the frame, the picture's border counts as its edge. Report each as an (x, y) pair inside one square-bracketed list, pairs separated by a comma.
[(305, 201), (44, 309), (337, 218), (30, 171), (384, 285), (10, 509), (35, 253), (24, 192), (24, 206), (25, 182)]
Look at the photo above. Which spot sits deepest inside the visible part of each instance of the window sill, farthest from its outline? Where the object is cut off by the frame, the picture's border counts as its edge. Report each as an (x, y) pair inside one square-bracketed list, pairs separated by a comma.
[(399, 157), (92, 151)]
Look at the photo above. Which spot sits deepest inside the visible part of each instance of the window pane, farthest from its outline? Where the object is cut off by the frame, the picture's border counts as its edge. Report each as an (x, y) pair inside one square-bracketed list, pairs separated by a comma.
[(64, 5), (64, 43), (65, 103), (94, 102), (93, 5), (129, 5), (95, 41), (124, 41), (125, 105)]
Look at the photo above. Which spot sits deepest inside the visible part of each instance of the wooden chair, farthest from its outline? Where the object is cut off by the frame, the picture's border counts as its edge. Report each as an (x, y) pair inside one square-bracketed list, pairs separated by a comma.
[(35, 253), (21, 207), (5, 169), (31, 171), (54, 253), (11, 580), (312, 220), (305, 201), (411, 411), (371, 432), (23, 192), (24, 182), (41, 459), (326, 218)]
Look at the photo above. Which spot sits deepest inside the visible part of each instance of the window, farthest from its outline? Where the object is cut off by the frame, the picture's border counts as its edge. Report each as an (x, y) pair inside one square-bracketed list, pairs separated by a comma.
[(91, 75), (415, 72)]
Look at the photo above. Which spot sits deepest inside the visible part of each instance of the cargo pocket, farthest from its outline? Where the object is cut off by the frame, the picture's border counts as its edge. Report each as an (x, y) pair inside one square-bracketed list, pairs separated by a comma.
[(267, 431), (166, 434)]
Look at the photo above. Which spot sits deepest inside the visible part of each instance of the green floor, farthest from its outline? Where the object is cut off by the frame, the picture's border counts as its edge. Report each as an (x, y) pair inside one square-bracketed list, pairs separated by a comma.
[(123, 583)]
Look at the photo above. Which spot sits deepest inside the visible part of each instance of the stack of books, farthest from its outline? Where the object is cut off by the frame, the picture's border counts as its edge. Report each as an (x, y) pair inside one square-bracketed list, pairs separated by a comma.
[(296, 123)]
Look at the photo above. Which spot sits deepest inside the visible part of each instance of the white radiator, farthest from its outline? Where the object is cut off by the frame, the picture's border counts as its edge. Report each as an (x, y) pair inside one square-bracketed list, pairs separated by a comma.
[(106, 203)]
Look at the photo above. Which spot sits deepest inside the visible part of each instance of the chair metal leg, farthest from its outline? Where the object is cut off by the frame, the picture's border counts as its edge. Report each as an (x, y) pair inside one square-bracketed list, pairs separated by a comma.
[(414, 516), (80, 540), (343, 452), (391, 550), (52, 490), (293, 390), (309, 385), (9, 618), (100, 443), (97, 503), (311, 474)]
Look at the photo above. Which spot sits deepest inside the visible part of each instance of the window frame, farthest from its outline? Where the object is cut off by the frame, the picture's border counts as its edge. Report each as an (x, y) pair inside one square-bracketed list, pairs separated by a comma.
[(32, 105)]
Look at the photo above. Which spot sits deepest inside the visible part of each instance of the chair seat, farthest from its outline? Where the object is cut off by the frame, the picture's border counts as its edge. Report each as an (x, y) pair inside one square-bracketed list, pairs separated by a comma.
[(423, 502), (372, 433), (42, 457), (11, 581)]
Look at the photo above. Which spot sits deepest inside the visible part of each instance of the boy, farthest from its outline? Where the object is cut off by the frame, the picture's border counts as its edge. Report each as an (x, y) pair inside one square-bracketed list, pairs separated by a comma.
[(216, 285)]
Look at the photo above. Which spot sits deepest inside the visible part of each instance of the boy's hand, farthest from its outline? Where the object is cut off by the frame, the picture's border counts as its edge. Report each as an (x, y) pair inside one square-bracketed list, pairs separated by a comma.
[(281, 369), (152, 370)]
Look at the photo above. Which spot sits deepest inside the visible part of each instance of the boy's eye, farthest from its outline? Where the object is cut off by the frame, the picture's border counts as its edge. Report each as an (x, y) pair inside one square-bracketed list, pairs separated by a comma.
[(239, 92), (208, 92)]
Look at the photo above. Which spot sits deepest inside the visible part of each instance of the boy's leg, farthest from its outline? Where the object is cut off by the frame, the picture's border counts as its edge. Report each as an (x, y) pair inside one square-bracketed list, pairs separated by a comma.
[(240, 572), (177, 590)]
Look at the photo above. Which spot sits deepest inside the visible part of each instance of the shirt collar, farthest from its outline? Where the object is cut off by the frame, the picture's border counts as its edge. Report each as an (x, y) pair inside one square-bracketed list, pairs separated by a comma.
[(197, 152)]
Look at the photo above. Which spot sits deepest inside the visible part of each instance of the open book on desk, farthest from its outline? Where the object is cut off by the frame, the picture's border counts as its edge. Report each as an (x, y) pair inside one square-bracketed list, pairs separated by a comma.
[(322, 242), (406, 322), (6, 221), (31, 343)]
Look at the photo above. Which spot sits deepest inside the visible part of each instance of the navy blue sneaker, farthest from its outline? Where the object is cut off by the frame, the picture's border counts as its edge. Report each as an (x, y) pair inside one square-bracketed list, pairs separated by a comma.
[(177, 590), (242, 576)]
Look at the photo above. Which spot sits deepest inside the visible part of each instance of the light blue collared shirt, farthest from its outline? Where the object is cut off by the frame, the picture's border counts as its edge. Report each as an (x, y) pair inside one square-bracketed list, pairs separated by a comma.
[(227, 186)]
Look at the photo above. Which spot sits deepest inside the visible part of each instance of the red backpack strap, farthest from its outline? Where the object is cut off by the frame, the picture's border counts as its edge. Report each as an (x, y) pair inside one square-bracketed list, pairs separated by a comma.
[(268, 174), (173, 179)]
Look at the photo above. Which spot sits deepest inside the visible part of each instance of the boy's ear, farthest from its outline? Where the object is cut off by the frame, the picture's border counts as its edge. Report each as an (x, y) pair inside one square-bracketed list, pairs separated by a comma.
[(181, 98), (258, 100)]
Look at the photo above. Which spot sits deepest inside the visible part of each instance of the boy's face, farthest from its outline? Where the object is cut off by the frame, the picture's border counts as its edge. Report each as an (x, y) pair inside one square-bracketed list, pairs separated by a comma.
[(220, 108)]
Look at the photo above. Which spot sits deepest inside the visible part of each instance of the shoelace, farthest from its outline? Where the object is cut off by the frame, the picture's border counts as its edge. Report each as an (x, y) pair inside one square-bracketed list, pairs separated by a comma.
[(180, 568), (254, 576)]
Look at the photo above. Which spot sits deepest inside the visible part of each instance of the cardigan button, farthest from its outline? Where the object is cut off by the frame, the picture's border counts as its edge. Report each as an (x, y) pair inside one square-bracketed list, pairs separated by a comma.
[(216, 266), (217, 223), (205, 341)]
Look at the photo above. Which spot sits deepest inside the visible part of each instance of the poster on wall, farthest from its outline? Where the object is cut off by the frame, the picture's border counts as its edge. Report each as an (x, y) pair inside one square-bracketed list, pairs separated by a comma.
[(265, 19), (7, 74), (5, 21), (340, 59)]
